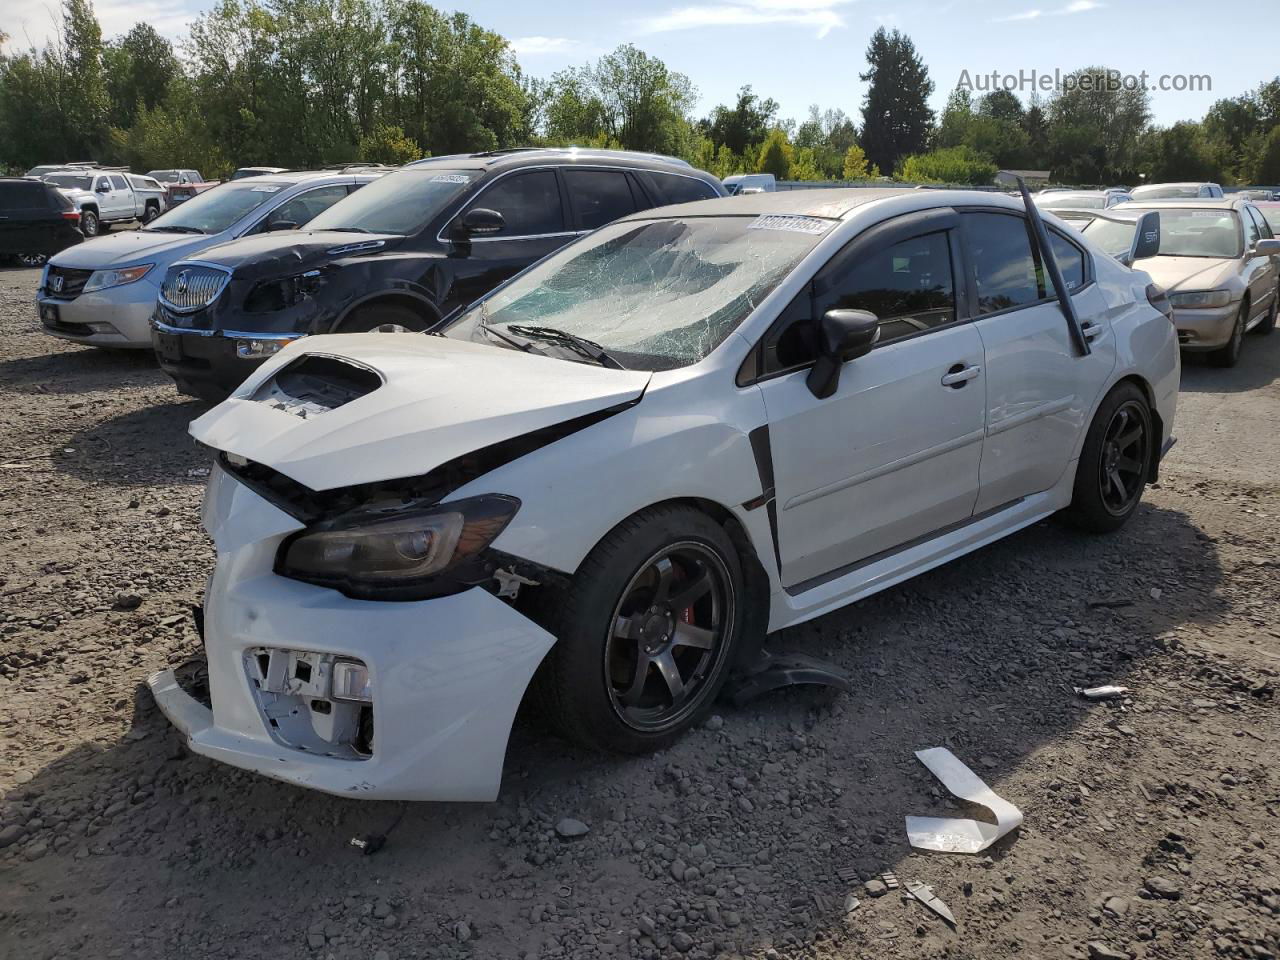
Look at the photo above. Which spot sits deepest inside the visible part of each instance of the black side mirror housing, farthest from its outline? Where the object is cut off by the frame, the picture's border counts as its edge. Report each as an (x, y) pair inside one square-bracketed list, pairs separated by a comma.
[(843, 335), (1146, 238), (479, 221), (281, 225)]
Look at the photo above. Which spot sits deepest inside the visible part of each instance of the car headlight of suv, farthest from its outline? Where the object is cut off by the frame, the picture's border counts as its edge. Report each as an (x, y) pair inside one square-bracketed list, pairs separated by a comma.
[(1201, 298), (282, 293), (104, 279), (396, 552)]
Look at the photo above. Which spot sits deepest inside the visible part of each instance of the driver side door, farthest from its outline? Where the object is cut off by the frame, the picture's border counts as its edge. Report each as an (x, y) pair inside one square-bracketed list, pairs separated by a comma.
[(893, 455)]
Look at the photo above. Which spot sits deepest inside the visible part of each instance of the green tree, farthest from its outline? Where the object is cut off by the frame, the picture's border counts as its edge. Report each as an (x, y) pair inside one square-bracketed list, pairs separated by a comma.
[(1267, 169), (84, 100), (896, 119), (388, 144), (629, 96), (855, 165), (1095, 125), (139, 69), (776, 154), (961, 164), (743, 125), (1180, 152)]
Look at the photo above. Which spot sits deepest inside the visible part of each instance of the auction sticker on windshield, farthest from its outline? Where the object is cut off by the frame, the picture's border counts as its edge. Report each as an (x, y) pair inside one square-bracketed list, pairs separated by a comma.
[(266, 188), (780, 221), (451, 178)]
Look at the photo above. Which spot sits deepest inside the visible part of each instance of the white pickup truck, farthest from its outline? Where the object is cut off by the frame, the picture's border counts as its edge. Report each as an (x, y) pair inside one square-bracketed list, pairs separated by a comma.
[(105, 197)]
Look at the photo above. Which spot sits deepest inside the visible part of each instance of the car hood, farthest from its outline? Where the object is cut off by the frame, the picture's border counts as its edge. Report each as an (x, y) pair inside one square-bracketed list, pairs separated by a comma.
[(439, 399), (1189, 273), (288, 251), (130, 246)]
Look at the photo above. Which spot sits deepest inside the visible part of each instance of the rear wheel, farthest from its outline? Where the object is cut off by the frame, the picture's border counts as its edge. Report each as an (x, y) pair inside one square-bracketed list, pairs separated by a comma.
[(646, 632), (32, 259), (89, 223), (378, 315), (1229, 354), (1112, 471)]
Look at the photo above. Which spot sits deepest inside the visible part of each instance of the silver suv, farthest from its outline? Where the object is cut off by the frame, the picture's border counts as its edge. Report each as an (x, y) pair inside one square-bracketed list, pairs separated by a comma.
[(103, 292)]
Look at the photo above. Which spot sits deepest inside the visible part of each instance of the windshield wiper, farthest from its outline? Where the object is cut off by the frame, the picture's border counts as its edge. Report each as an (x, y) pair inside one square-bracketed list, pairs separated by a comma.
[(579, 345), (347, 229), (174, 229), (492, 331)]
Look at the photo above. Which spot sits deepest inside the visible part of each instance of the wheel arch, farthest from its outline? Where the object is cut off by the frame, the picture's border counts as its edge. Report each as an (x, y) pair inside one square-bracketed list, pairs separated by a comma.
[(408, 299)]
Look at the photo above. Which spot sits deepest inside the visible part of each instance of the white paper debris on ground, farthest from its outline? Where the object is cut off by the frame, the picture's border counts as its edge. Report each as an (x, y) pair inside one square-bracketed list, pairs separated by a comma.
[(1109, 692), (960, 836)]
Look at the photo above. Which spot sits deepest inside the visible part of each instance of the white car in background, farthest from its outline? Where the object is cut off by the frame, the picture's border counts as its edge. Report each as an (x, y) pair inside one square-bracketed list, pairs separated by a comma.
[(1060, 200), (103, 293), (694, 426), (1177, 191)]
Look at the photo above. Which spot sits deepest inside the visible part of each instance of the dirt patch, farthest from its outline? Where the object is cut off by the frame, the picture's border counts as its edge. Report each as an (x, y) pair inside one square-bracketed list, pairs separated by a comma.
[(1150, 822)]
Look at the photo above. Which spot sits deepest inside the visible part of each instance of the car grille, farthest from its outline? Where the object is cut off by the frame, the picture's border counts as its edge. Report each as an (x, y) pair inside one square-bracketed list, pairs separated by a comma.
[(65, 283), (188, 288)]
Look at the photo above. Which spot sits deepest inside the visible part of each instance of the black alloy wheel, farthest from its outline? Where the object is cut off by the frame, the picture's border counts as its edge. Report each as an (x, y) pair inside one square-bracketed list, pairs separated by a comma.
[(668, 636), (1126, 451)]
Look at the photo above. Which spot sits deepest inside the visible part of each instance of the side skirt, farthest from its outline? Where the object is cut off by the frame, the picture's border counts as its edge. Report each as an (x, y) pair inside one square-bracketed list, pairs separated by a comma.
[(880, 572)]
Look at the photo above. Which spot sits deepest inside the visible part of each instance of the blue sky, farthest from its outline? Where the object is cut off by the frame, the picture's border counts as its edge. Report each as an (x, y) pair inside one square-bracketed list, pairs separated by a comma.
[(811, 51)]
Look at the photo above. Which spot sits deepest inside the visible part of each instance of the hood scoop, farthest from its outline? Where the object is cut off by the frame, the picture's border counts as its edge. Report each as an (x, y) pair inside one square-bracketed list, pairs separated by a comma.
[(316, 383)]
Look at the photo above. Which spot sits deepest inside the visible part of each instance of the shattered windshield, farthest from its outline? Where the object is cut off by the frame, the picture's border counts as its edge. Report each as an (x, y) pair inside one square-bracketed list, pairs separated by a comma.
[(655, 294)]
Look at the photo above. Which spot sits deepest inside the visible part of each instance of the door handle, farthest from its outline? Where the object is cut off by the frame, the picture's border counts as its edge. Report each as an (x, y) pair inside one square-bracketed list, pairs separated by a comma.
[(959, 375), (1091, 330)]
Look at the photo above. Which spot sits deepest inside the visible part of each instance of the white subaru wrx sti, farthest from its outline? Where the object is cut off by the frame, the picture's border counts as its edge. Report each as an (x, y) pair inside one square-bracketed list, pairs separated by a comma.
[(628, 464)]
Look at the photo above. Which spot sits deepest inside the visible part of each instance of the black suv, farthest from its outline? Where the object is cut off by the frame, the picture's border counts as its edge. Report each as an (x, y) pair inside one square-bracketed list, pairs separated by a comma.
[(408, 250), (36, 220)]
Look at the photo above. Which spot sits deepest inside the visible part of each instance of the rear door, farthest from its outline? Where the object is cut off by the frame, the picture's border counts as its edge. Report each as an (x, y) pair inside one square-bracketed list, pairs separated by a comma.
[(121, 199), (1040, 392), (1259, 272), (535, 223)]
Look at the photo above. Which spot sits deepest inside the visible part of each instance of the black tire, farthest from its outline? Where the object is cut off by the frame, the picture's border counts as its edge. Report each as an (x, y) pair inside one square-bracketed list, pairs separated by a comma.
[(89, 223), (605, 683), (376, 315), (1228, 355), (151, 212), (32, 260), (1268, 323), (1110, 463)]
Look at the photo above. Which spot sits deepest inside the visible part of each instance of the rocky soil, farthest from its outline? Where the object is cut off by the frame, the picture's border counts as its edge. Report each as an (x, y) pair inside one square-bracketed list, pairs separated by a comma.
[(1150, 824)]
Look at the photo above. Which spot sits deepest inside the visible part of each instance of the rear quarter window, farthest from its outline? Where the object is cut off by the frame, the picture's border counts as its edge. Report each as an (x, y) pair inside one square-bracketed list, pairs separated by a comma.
[(667, 188), (16, 195)]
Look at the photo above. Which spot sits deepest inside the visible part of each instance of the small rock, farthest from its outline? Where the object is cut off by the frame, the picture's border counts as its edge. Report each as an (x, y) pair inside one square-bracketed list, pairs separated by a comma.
[(1116, 906), (128, 601), (714, 722), (1156, 593), (648, 926), (381, 910), (11, 834), (1163, 888), (1101, 951), (678, 867), (569, 828), (315, 941), (731, 919), (875, 888), (462, 931), (682, 941), (382, 955)]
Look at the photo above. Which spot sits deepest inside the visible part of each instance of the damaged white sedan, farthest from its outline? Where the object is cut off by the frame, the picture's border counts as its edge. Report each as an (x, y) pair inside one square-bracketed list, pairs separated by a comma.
[(622, 469)]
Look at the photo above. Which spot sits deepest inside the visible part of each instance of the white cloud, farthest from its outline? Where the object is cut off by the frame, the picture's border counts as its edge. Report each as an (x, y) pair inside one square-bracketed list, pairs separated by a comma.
[(1076, 6), (537, 45), (821, 14)]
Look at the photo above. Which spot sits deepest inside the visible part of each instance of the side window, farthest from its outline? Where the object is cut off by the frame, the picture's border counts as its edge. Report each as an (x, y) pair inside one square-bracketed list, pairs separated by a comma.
[(1252, 233), (1004, 272), (667, 188), (528, 202), (599, 196), (1263, 227), (302, 208), (1070, 263), (119, 183), (908, 285)]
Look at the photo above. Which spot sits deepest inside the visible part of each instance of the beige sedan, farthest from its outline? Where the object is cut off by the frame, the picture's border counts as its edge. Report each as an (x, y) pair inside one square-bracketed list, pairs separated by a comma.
[(1220, 264)]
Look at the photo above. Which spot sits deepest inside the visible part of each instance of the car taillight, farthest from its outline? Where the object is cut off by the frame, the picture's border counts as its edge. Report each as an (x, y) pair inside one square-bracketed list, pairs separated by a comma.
[(1158, 299), (71, 215)]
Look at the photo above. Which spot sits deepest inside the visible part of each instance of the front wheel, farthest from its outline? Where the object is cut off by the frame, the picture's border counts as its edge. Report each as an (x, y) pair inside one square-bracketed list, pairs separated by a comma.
[(1112, 471), (646, 632), (89, 223), (1268, 323)]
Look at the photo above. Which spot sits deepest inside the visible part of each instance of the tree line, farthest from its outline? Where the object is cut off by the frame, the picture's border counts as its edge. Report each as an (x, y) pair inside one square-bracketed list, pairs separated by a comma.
[(301, 83)]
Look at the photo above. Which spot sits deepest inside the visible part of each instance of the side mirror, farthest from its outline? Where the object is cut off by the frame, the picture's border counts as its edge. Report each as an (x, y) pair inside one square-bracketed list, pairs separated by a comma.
[(479, 221), (102, 188), (1146, 238), (281, 225), (1266, 248), (843, 335)]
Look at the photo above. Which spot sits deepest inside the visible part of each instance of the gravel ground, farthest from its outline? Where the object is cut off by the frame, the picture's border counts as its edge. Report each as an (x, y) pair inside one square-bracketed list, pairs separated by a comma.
[(1150, 822)]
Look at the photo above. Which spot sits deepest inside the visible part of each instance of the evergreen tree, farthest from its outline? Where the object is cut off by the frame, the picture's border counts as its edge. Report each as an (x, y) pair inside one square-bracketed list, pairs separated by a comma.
[(896, 118)]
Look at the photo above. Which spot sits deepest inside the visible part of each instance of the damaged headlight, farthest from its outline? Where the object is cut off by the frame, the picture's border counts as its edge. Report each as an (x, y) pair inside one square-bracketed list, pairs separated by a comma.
[(271, 295), (1201, 298), (395, 553)]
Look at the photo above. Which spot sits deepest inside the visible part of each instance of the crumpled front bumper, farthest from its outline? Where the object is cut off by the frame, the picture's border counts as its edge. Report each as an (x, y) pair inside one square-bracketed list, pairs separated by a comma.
[(447, 674)]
